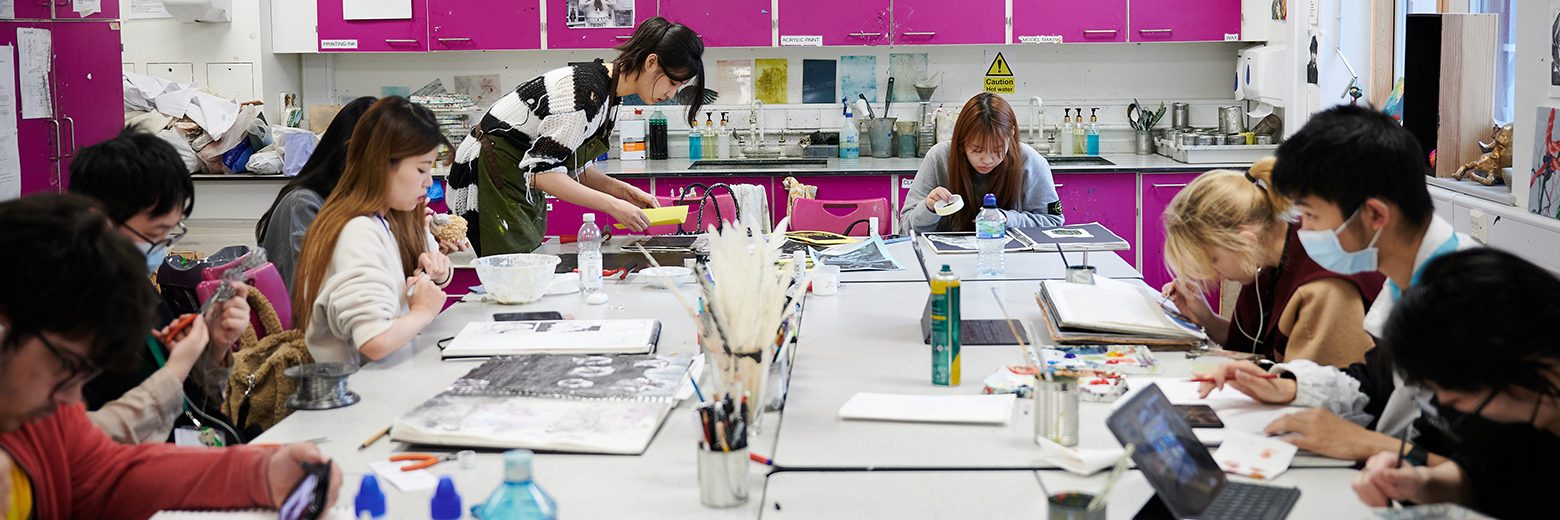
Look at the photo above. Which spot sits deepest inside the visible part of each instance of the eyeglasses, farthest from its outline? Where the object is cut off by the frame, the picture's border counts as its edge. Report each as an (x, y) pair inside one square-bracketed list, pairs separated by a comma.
[(173, 237), (77, 369), (1433, 416)]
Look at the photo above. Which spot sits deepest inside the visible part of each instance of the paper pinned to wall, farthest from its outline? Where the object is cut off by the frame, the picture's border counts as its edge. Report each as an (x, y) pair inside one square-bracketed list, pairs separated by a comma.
[(734, 78), (818, 80), (858, 75), (34, 49), (7, 9), (376, 9), (771, 80), (87, 7), (907, 68), (146, 9), (10, 153)]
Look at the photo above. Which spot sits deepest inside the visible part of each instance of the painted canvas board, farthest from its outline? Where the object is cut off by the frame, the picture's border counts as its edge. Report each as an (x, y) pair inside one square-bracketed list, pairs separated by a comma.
[(599, 14), (818, 85), (858, 75), (734, 80), (906, 69), (1544, 186), (770, 81)]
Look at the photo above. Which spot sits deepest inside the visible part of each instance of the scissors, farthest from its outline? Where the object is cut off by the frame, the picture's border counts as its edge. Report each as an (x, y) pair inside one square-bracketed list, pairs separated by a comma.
[(427, 460)]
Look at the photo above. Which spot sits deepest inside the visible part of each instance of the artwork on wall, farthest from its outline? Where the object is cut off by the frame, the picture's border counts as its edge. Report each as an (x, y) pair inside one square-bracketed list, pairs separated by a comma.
[(484, 90), (770, 80), (600, 14), (1544, 185), (858, 75), (1554, 48), (734, 80), (818, 85), (907, 68)]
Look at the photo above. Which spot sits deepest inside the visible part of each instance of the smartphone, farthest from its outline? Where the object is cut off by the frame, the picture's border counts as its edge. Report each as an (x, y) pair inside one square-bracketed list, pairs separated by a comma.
[(1199, 415), (307, 499), (527, 316)]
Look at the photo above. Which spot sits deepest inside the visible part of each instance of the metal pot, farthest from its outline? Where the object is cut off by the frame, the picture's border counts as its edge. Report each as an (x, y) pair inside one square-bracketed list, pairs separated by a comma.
[(1180, 115), (1231, 120), (1189, 139)]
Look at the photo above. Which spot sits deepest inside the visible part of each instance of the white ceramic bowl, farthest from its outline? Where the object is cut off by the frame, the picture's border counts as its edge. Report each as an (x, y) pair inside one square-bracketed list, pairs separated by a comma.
[(516, 278), (661, 277)]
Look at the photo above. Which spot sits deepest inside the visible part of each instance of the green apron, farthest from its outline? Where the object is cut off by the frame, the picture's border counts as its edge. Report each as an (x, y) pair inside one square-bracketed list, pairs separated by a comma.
[(512, 217)]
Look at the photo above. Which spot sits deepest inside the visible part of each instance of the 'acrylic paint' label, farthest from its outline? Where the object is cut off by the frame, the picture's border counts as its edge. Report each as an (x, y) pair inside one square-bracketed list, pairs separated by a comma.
[(801, 41)]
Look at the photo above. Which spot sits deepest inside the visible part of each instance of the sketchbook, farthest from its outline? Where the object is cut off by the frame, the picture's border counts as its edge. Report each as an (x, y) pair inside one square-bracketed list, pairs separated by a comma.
[(563, 376), (1077, 237), (1111, 312), (966, 243), (498, 338)]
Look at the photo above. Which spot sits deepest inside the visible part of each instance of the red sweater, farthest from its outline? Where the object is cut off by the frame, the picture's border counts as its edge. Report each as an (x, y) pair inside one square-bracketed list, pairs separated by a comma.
[(78, 472)]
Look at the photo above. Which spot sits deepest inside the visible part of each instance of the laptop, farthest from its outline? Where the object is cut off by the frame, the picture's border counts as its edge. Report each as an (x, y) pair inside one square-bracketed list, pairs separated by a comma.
[(971, 332), (1184, 475)]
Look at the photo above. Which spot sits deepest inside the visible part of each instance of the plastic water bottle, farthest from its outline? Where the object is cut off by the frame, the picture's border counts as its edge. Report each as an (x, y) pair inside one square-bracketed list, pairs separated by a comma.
[(991, 237), (518, 498), (590, 255)]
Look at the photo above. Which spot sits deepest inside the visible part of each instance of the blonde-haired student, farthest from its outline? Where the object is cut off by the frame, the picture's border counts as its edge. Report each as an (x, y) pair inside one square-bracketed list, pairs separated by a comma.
[(1230, 225)]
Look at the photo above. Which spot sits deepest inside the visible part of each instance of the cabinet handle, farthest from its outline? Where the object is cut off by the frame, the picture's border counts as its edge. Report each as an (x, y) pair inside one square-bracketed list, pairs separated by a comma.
[(1057, 185), (1181, 185), (1156, 31), (56, 124), (393, 41), (865, 35), (454, 39), (72, 138), (1099, 32), (623, 36), (924, 33)]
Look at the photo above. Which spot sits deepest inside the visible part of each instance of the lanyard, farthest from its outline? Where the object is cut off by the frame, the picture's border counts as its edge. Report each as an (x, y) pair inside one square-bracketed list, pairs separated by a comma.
[(1447, 247)]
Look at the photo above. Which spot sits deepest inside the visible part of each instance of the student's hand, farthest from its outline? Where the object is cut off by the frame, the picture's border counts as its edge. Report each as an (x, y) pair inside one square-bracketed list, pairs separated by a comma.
[(187, 348), (1248, 379), (629, 215), (426, 295), (451, 246), (435, 265), (638, 197), (1383, 480), (1324, 433), (938, 194), (228, 320), (1186, 297), (286, 469)]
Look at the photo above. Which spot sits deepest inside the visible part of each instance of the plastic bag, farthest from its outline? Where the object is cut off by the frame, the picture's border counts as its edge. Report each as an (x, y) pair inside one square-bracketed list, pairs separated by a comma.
[(265, 163)]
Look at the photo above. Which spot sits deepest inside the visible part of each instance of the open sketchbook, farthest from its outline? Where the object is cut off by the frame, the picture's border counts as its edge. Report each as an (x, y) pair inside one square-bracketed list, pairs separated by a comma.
[(583, 404), (497, 338), (1076, 237), (965, 243), (1111, 312)]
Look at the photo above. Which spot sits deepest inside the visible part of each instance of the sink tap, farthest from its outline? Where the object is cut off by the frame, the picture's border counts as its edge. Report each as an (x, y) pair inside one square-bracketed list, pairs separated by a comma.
[(756, 123)]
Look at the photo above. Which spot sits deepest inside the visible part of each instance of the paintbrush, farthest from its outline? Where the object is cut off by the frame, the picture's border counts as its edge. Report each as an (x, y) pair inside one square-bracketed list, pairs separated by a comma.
[(1115, 475), (1012, 326)]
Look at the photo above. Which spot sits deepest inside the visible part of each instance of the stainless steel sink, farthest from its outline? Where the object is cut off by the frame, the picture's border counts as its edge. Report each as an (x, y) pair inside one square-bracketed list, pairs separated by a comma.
[(757, 163), (1079, 160)]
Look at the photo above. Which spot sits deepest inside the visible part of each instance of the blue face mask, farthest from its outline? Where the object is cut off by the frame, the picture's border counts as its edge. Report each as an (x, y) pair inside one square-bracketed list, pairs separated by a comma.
[(155, 257), (1327, 251)]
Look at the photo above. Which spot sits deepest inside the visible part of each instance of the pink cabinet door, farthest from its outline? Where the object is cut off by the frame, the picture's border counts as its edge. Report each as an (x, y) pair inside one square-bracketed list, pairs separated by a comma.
[(621, 16), (1074, 22), (87, 70), (564, 219), (38, 139), (1185, 20), (920, 22), (1107, 198), (63, 10), (1158, 190), (839, 187), (856, 22), (723, 23), (37, 10), (484, 25), (337, 34), (672, 186)]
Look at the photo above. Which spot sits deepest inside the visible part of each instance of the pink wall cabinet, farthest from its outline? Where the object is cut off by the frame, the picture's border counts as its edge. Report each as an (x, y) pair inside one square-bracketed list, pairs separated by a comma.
[(723, 23), (338, 34), (922, 22), (1044, 21), (484, 25), (65, 10), (87, 70), (854, 22), (1107, 198), (1185, 20), (1158, 190), (39, 140), (38, 9), (594, 24)]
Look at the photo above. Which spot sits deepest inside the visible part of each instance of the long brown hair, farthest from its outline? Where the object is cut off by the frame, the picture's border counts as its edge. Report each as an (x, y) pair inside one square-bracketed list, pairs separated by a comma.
[(987, 121), (392, 129)]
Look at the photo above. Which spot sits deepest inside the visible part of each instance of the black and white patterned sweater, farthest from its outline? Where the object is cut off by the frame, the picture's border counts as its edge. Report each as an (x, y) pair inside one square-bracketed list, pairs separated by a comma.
[(549, 116)]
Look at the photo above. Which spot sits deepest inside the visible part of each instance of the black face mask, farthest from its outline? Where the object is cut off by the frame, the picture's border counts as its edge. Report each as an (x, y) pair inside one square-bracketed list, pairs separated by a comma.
[(1449, 429)]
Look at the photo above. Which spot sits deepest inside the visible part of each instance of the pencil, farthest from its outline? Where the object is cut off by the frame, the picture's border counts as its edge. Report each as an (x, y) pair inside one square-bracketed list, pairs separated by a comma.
[(374, 439), (1402, 446), (1207, 380)]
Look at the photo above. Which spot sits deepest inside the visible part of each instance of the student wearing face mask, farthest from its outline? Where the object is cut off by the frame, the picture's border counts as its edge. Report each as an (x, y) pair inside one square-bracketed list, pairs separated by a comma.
[(1357, 178), (147, 193), (1513, 378), (983, 157)]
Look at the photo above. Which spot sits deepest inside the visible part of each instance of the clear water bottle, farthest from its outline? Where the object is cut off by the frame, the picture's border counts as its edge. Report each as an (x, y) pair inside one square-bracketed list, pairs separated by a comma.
[(518, 498), (991, 237), (590, 255)]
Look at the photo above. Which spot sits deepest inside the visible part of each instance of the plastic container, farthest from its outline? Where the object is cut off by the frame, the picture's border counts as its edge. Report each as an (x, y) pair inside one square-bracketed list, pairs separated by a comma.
[(632, 137), (850, 138), (657, 138), (516, 278), (519, 497), (990, 238), (589, 240)]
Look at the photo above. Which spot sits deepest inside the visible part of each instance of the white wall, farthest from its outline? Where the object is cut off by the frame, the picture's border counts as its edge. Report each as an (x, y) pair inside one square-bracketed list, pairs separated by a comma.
[(209, 46), (1533, 62)]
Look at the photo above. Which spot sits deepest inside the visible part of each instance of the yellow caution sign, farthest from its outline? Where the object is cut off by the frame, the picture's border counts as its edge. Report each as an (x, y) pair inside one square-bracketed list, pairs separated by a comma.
[(999, 77)]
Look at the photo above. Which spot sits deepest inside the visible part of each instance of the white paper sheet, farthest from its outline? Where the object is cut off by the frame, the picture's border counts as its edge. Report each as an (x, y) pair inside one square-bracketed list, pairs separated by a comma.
[(1082, 461), (35, 52), (1256, 456), (406, 481), (146, 9), (376, 9), (10, 154), (87, 7), (957, 409), (1238, 412), (7, 9)]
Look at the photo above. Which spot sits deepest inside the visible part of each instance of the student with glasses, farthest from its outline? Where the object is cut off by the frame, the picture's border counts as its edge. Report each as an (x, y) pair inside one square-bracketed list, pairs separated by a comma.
[(540, 139), (82, 308), (1505, 370), (146, 194)]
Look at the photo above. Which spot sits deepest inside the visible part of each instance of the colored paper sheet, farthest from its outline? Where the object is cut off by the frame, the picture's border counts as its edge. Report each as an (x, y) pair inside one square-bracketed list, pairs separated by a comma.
[(858, 75), (818, 82), (771, 78)]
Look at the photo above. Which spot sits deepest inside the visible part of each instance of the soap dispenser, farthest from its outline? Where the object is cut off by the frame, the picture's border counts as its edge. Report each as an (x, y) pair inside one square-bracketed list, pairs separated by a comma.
[(1094, 131), (1080, 134), (1066, 147)]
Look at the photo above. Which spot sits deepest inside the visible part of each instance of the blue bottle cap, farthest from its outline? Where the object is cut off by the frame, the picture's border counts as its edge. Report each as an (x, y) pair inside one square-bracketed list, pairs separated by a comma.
[(991, 200), (369, 499), (446, 502)]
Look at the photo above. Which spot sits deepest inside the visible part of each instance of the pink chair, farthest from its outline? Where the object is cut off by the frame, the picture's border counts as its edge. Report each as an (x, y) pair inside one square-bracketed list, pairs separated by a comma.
[(837, 216), (725, 205), (265, 278)]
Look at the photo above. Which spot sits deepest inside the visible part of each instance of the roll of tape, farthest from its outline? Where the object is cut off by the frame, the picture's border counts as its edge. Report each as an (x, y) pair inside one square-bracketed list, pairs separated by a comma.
[(950, 206)]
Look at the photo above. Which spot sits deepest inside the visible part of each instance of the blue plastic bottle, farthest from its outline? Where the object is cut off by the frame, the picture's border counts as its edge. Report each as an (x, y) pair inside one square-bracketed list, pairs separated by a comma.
[(446, 502), (519, 497)]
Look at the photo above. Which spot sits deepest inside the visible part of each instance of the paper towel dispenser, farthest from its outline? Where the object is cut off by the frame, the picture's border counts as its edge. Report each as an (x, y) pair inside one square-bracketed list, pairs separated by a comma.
[(210, 11), (1261, 74)]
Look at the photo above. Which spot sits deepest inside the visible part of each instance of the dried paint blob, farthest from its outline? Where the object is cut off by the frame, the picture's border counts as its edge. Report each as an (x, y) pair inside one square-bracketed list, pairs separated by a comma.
[(576, 383), (591, 371)]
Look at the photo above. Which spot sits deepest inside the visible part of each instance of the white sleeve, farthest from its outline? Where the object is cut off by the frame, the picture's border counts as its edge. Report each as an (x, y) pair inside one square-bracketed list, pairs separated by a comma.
[(363, 293), (1327, 387)]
